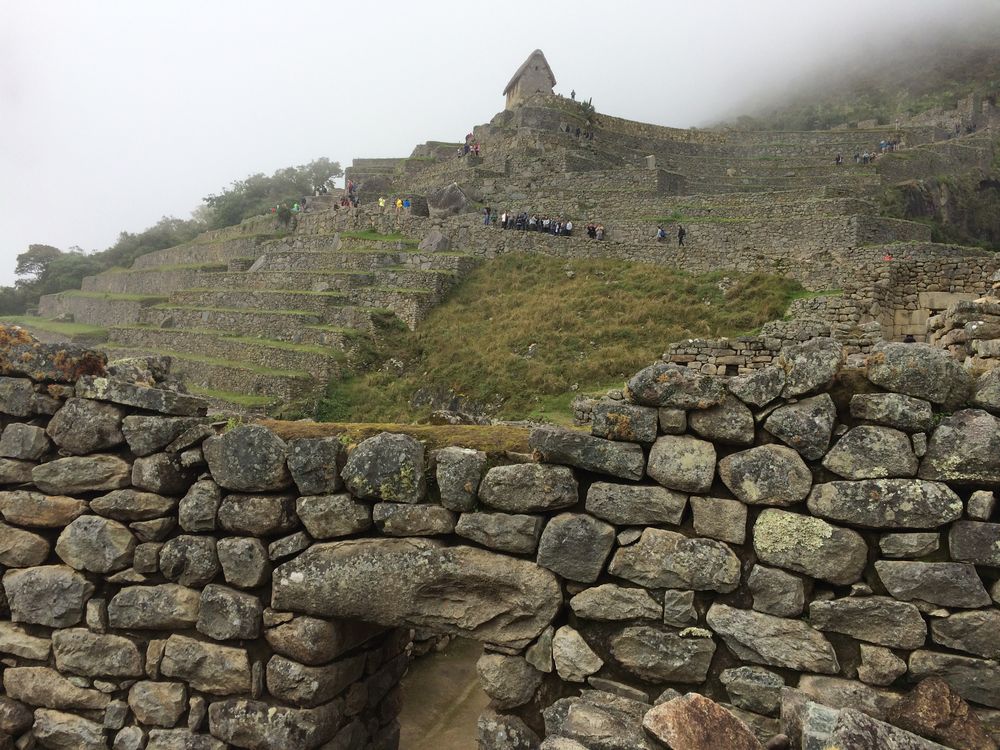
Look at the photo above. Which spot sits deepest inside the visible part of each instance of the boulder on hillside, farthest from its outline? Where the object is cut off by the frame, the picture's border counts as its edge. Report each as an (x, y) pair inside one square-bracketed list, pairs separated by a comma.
[(447, 201), (435, 241)]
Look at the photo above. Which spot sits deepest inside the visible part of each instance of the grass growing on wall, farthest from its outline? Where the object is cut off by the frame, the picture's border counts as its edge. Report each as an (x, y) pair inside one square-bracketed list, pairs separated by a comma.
[(593, 323)]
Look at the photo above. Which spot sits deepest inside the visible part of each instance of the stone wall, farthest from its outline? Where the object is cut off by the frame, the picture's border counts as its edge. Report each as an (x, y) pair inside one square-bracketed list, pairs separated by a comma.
[(184, 583)]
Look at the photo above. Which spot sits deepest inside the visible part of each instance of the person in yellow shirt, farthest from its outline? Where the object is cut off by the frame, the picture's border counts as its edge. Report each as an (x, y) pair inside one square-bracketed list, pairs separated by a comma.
[(399, 205), (381, 204)]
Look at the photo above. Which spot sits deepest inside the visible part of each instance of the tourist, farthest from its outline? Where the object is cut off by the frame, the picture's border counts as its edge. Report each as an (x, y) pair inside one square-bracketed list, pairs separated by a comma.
[(486, 216), (399, 205), (503, 220), (888, 257), (600, 231), (661, 233), (568, 228), (681, 234), (591, 230), (475, 148), (381, 204), (572, 95), (908, 339), (839, 160), (406, 204)]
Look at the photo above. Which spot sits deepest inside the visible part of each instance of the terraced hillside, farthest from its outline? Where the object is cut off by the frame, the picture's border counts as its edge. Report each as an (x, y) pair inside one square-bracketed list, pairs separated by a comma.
[(262, 315)]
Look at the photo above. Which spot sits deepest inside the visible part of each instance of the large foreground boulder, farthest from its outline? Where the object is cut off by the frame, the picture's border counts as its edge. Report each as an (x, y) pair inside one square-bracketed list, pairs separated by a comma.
[(447, 201), (419, 583)]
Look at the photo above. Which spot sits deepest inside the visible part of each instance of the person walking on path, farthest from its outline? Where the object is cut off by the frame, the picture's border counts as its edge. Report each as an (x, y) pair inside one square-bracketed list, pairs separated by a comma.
[(681, 234), (661, 234)]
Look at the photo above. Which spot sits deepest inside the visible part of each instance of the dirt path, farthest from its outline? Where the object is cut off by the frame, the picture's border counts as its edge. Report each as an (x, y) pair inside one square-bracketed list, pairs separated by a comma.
[(442, 700)]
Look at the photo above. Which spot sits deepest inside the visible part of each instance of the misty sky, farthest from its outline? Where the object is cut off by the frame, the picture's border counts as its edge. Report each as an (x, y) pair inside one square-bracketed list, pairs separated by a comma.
[(113, 114)]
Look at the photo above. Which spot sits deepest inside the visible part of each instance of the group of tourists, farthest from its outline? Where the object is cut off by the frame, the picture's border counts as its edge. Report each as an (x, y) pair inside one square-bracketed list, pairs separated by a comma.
[(587, 135), (400, 204), (471, 146), (661, 234)]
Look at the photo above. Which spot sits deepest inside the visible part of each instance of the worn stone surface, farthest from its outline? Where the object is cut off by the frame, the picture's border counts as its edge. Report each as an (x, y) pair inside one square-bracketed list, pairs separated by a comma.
[(248, 458), (181, 739), (574, 659), (504, 732), (979, 507), (24, 441), (23, 354), (307, 686), (17, 641), (683, 463), (976, 632), (617, 420), (945, 583), (806, 425), (158, 704), (729, 423), (678, 608), (672, 421), (759, 387), (753, 688), (96, 544), (893, 410), (398, 519), (226, 614), (79, 651), (879, 666), (190, 560), (287, 546), (776, 592), (964, 449), (83, 426), (15, 717), (244, 561), (162, 473), (57, 730), (810, 366), (20, 548), (160, 607), (509, 680), (52, 595), (492, 597), (976, 680), (459, 472), (872, 452), (666, 559), (313, 641), (656, 654), (597, 719), (636, 505), (79, 474), (719, 518), (766, 475), (809, 546), (529, 488), (146, 435), (616, 459), (612, 602), (143, 397), (886, 503), (261, 726), (914, 544), (25, 508), (876, 619), (131, 505), (43, 686), (506, 532), (694, 722), (539, 653), (773, 641), (387, 467), (918, 370), (332, 516), (859, 729), (665, 384), (219, 670), (198, 508), (975, 542), (314, 464), (575, 546), (933, 709), (258, 515), (836, 692)]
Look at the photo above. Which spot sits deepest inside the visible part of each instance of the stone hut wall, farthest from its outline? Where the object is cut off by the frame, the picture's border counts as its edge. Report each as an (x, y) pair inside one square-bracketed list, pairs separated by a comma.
[(171, 581)]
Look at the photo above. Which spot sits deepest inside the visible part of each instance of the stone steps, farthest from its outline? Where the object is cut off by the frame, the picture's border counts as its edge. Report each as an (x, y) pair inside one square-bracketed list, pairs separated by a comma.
[(320, 360), (232, 375), (318, 303)]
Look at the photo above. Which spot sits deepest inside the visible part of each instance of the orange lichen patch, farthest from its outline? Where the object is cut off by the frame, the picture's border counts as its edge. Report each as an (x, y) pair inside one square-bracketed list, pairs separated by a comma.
[(493, 439), (23, 355), (13, 335)]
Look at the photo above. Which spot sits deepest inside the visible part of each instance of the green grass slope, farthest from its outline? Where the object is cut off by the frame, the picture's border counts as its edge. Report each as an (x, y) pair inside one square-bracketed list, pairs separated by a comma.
[(524, 334)]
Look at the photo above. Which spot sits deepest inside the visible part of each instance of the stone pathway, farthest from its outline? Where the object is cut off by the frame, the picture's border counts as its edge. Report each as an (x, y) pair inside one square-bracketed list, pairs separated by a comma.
[(442, 700)]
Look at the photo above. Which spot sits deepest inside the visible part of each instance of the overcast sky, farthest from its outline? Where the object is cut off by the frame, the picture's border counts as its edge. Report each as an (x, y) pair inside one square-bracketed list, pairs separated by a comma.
[(113, 114)]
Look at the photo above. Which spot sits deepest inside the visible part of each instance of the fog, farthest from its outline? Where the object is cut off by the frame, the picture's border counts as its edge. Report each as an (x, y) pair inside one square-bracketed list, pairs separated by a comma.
[(113, 114)]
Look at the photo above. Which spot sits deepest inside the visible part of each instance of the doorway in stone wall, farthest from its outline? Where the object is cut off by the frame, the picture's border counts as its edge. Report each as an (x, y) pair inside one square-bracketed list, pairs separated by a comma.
[(442, 698)]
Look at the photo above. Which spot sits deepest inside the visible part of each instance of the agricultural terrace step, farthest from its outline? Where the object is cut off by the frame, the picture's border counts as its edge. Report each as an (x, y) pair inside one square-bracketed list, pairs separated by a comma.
[(284, 325), (155, 280), (52, 331), (260, 299), (227, 401), (96, 308), (352, 260), (220, 251), (322, 361), (305, 280), (234, 376)]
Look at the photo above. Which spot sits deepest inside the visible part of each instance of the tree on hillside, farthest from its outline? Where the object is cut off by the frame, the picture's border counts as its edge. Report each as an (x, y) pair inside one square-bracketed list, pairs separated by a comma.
[(33, 261), (258, 193)]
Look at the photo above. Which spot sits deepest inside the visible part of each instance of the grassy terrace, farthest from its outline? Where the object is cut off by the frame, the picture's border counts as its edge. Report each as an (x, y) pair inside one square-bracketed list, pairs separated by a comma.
[(242, 310), (531, 332), (205, 267), (237, 399), (149, 299), (251, 340), (372, 236), (76, 332)]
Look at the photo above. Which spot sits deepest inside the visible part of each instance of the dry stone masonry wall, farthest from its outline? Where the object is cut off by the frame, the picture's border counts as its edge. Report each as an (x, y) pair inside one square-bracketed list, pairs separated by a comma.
[(803, 533)]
